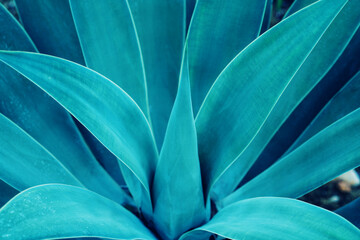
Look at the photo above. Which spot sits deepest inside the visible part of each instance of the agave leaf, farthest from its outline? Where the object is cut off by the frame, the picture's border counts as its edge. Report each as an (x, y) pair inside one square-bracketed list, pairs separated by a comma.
[(245, 93), (177, 189), (343, 103), (72, 212), (25, 163), (323, 157), (100, 105), (110, 45), (276, 218), (230, 24), (322, 57), (7, 192), (351, 212), (267, 17), (51, 27), (341, 72), (298, 5), (161, 29), (12, 33), (36, 113)]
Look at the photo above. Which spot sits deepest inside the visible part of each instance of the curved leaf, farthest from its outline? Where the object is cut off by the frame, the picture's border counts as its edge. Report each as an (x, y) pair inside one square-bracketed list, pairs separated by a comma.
[(51, 27), (277, 219), (298, 5), (161, 29), (323, 157), (59, 211), (177, 189), (25, 163), (112, 49), (322, 57), (351, 212), (343, 103), (100, 105), (245, 93), (230, 24), (341, 72), (12, 33)]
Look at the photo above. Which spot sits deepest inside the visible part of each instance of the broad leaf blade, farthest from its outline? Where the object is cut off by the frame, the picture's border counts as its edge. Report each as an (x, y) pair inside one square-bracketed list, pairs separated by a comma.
[(325, 156), (60, 211), (248, 89), (219, 30), (177, 189), (276, 218), (25, 163), (343, 103), (51, 27), (13, 34), (161, 29), (100, 105), (322, 57), (112, 49), (36, 113)]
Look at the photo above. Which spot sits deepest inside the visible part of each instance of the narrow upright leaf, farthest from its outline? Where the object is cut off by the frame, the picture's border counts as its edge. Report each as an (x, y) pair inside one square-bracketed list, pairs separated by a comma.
[(248, 89), (161, 29), (100, 105), (51, 27), (219, 30), (112, 49), (177, 189), (56, 211)]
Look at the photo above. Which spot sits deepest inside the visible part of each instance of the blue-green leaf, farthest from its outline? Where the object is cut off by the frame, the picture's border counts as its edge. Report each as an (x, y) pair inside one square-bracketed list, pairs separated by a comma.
[(112, 49), (100, 105), (161, 29), (343, 103), (25, 163), (322, 57), (59, 211), (245, 93), (298, 5), (219, 30), (177, 189), (51, 27), (275, 219), (12, 33), (351, 212), (323, 157)]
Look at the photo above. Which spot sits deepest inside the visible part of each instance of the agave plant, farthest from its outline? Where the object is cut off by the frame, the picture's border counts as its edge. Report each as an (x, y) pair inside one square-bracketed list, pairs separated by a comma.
[(183, 119)]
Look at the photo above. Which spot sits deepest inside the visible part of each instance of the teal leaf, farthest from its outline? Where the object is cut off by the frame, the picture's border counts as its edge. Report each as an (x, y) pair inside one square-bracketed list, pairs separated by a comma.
[(298, 5), (219, 30), (59, 211), (25, 163), (100, 105), (36, 113), (351, 212), (7, 192), (276, 219), (51, 27), (177, 189), (322, 57), (13, 36), (161, 29), (110, 44), (343, 103), (267, 16), (245, 93), (340, 73), (323, 157)]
